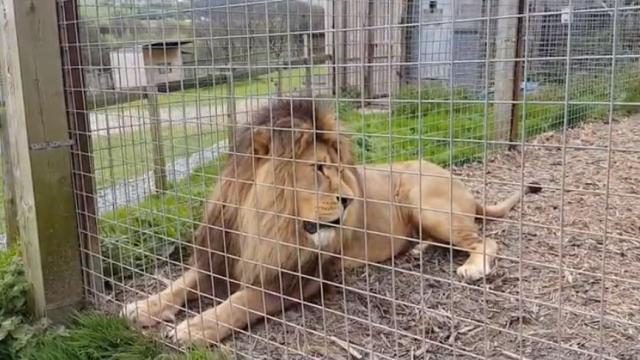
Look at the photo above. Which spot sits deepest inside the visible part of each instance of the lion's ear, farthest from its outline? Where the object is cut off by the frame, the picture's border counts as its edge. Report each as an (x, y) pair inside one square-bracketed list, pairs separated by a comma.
[(261, 141)]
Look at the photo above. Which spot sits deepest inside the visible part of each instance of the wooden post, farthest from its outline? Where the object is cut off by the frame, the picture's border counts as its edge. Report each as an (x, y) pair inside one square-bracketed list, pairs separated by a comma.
[(308, 77), (329, 42), (369, 50), (506, 48), (231, 110), (340, 71), (12, 233), (41, 156), (159, 163), (518, 72), (278, 82)]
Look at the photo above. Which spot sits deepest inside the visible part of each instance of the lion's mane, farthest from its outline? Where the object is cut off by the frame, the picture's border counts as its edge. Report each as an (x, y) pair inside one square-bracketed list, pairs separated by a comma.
[(276, 258)]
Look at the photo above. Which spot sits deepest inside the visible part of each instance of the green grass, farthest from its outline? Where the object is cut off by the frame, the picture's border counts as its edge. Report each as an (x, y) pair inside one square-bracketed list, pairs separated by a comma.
[(144, 235), (90, 336), (262, 85), (95, 336), (130, 153), (384, 138)]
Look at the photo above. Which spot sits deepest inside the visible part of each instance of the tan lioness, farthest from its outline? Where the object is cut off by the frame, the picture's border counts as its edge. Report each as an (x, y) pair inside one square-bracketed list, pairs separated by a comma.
[(287, 199)]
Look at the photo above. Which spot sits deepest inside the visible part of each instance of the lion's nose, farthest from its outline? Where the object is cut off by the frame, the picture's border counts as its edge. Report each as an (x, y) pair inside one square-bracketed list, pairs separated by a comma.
[(345, 201)]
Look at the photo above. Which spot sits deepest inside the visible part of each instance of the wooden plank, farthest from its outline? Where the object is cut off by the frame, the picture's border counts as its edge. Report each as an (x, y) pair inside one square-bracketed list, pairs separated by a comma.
[(41, 157), (356, 45), (159, 162), (506, 47), (10, 210), (518, 75), (387, 46), (330, 41), (369, 33), (339, 46), (231, 108), (308, 75)]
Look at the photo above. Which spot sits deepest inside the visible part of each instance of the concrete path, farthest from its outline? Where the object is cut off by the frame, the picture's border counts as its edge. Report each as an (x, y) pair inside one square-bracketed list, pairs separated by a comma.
[(117, 120), (132, 191)]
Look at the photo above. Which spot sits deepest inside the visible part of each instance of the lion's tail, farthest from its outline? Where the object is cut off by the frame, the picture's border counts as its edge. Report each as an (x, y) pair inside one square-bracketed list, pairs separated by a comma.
[(501, 209)]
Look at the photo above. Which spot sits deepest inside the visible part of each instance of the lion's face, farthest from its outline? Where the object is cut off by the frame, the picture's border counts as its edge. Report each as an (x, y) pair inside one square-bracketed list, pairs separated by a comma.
[(304, 175), (324, 191), (320, 187)]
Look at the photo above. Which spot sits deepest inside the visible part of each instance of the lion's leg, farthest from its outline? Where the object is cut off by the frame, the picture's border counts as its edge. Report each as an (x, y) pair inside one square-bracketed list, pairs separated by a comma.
[(239, 310), (165, 304), (461, 231)]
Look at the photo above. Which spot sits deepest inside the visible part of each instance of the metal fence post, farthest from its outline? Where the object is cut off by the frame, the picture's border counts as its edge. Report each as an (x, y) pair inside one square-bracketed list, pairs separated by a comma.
[(38, 135), (80, 130)]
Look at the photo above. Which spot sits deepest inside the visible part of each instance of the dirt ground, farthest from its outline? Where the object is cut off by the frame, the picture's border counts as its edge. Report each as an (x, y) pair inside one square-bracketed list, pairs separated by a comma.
[(547, 297)]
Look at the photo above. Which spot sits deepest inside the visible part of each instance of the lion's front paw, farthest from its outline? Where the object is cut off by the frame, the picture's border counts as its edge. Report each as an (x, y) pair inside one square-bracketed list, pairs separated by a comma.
[(419, 249), (193, 331), (148, 312), (472, 271)]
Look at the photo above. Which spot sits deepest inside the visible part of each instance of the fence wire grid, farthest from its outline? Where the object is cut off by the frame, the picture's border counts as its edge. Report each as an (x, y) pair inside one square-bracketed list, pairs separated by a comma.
[(501, 93)]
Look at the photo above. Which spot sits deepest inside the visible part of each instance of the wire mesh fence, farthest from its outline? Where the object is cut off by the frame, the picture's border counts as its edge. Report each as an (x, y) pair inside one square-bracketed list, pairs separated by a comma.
[(213, 188)]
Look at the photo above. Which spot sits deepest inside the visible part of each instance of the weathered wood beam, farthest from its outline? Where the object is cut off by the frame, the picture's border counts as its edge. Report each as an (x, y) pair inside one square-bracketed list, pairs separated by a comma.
[(40, 156)]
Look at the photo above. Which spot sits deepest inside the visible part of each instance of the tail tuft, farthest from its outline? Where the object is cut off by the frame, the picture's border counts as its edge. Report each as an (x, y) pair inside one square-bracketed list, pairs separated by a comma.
[(533, 188)]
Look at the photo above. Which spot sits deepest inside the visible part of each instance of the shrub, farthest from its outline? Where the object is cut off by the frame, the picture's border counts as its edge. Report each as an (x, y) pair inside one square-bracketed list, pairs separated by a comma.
[(15, 331)]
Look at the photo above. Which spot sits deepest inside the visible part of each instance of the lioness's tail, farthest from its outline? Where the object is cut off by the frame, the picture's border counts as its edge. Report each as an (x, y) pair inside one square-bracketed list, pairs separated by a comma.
[(501, 209)]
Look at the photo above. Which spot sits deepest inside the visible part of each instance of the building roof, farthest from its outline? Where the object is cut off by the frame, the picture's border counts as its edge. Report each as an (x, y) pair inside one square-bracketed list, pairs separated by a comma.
[(166, 44)]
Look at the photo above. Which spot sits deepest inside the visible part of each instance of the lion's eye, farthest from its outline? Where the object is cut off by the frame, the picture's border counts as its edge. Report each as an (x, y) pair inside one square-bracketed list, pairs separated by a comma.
[(320, 168)]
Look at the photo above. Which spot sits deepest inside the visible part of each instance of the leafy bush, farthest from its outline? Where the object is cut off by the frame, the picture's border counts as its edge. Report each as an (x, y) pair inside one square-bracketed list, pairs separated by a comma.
[(15, 331), (629, 75)]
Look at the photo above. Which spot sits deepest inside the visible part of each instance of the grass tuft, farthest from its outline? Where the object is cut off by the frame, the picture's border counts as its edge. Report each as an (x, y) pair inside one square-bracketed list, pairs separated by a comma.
[(96, 336)]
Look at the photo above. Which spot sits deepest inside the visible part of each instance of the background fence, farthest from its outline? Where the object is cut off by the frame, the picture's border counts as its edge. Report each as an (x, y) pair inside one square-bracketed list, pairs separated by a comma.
[(499, 91)]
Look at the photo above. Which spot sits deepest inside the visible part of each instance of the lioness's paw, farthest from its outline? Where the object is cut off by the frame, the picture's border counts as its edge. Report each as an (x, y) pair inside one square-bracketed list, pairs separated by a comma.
[(418, 250), (192, 332), (148, 312), (473, 271)]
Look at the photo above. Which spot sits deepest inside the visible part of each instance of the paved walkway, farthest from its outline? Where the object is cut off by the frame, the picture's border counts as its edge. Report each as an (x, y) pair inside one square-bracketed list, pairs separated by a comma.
[(131, 191), (105, 122)]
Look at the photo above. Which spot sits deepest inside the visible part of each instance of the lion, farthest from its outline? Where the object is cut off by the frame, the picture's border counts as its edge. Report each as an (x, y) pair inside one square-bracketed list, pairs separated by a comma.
[(289, 202)]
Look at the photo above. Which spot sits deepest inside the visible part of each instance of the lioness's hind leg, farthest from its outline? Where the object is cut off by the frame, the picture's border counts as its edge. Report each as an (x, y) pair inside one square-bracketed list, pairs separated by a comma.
[(481, 254), (461, 231)]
